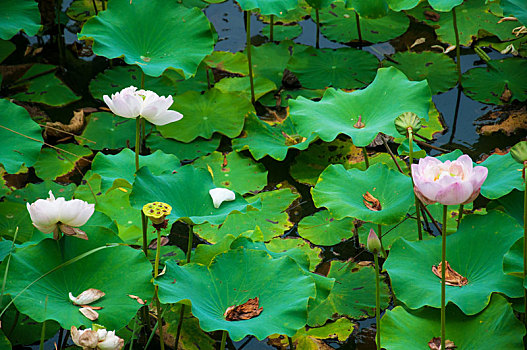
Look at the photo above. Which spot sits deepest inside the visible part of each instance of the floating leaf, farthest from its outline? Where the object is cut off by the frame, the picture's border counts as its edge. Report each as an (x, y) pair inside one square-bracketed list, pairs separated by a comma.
[(342, 191), (322, 229), (228, 62), (369, 8), (273, 99), (279, 245), (516, 8), (192, 337), (268, 7), (18, 15), (410, 264), (505, 174), (279, 54), (444, 5), (184, 151), (511, 204), (108, 131), (338, 111), (283, 32), (53, 162), (205, 114), (146, 42), (214, 288), (82, 10), (242, 86), (345, 68)]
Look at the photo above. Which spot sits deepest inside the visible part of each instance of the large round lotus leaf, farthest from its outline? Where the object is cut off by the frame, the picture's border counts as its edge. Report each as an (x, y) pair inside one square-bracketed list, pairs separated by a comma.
[(278, 245), (197, 83), (262, 139), (282, 100), (516, 8), (122, 166), (204, 114), (512, 204), (283, 32), (339, 24), (187, 191), (342, 192), (234, 277), (228, 62), (353, 294), (309, 165), (496, 327), (505, 174), (18, 150), (242, 86), (369, 8), (444, 5), (14, 215), (44, 88), (345, 68), (117, 78), (16, 15), (272, 218), (501, 82), (32, 191), (318, 4), (398, 5), (53, 162), (102, 270), (338, 111), (410, 264), (191, 337), (438, 69), (513, 260), (107, 131), (299, 13), (322, 229), (278, 54), (179, 39), (475, 19), (268, 7), (184, 151), (234, 171)]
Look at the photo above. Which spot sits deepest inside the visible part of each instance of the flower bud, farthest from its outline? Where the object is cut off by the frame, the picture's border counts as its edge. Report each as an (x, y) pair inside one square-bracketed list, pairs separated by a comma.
[(407, 120), (374, 243), (519, 152), (157, 211)]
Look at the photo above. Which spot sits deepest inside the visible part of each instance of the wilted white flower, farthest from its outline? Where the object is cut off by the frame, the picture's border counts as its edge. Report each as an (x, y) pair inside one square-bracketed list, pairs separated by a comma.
[(110, 342), (220, 195), (131, 103), (87, 297), (100, 339), (48, 215)]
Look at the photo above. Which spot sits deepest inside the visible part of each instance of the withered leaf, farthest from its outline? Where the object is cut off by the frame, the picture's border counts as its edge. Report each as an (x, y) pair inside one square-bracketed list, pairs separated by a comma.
[(245, 311), (75, 126), (139, 300), (506, 95), (452, 278), (431, 15), (435, 344), (73, 231), (93, 307), (90, 314), (371, 202), (153, 244)]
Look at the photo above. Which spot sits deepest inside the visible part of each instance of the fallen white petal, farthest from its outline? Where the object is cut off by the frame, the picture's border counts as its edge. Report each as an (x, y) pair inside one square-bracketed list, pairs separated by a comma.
[(90, 314), (87, 297), (220, 195)]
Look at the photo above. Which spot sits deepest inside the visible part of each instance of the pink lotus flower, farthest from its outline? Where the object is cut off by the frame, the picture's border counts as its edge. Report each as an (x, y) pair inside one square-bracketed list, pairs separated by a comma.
[(449, 183)]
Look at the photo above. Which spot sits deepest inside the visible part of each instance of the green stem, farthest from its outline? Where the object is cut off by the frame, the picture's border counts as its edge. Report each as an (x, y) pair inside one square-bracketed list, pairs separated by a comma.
[(377, 301), (357, 19), (525, 240), (190, 239), (133, 333), (153, 332), (443, 279), (366, 160), (291, 346), (460, 215), (379, 229), (189, 252), (137, 141), (223, 340), (317, 39), (156, 290), (7, 266), (95, 7), (271, 29), (458, 49), (180, 323), (43, 331), (249, 60), (417, 203)]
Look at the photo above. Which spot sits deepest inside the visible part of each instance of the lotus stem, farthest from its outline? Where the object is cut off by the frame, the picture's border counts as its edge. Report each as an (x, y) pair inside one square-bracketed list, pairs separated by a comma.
[(137, 147), (181, 314), (180, 323), (357, 19), (223, 340), (291, 345), (460, 215), (7, 265), (59, 338), (133, 333), (271, 29), (249, 60), (95, 7), (458, 49), (153, 332), (366, 160), (60, 42), (43, 330), (417, 203), (525, 239), (379, 229), (317, 39), (156, 288), (443, 279), (392, 155), (377, 301)]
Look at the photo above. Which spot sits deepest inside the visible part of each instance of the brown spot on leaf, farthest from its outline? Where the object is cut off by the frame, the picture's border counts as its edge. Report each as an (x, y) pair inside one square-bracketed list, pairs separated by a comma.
[(371, 202), (139, 300), (506, 94), (250, 309), (452, 277), (431, 15), (435, 344)]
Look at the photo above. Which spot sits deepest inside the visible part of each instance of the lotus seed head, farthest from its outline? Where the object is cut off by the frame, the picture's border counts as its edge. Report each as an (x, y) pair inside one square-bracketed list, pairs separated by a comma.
[(157, 211)]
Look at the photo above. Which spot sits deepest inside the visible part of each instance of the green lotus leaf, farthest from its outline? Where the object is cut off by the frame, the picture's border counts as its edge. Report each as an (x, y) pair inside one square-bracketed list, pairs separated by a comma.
[(234, 171), (55, 162), (122, 166), (262, 139), (18, 15), (146, 42), (438, 69), (197, 83), (444, 5), (212, 289), (516, 8), (44, 88), (104, 130), (369, 8), (475, 19), (82, 10), (279, 54), (501, 82), (187, 191), (299, 13), (204, 114), (14, 215), (452, 217), (184, 151), (268, 7), (320, 68), (32, 191), (342, 191), (513, 260), (241, 86), (339, 111), (18, 150), (339, 24), (322, 229), (318, 4), (511, 203), (519, 44), (273, 99), (353, 295), (117, 78), (504, 175), (228, 62), (192, 337), (272, 218), (101, 270), (283, 32), (309, 165), (6, 49), (410, 264), (398, 5), (278, 245), (476, 332)]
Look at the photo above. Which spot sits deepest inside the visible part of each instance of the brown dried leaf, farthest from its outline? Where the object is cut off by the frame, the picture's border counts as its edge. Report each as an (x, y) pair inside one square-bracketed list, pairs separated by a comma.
[(90, 314), (73, 231), (435, 344), (139, 300), (507, 121), (452, 278), (75, 126), (153, 244), (431, 15), (245, 311), (506, 95), (371, 202)]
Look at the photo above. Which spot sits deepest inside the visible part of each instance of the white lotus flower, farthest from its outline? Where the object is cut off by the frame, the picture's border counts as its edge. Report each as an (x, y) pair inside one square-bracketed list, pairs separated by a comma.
[(100, 339), (48, 215), (132, 103), (220, 195), (110, 342)]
